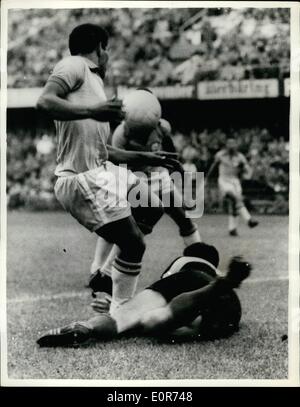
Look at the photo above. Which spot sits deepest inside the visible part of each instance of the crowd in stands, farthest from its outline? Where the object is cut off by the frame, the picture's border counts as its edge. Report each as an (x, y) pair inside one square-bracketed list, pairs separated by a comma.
[(30, 171), (31, 164), (155, 47)]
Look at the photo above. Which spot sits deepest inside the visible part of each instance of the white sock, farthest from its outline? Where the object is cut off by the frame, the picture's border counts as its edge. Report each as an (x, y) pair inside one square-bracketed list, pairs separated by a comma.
[(244, 214), (108, 264), (232, 222), (192, 238), (125, 276), (102, 250)]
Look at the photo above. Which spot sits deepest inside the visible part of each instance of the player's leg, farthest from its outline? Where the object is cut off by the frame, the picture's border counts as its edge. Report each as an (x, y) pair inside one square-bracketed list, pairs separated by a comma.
[(107, 266), (102, 250), (145, 217), (228, 196), (129, 315), (230, 205), (125, 258), (100, 272), (148, 210), (112, 204), (173, 208), (103, 326), (100, 279), (127, 235), (240, 205), (127, 265)]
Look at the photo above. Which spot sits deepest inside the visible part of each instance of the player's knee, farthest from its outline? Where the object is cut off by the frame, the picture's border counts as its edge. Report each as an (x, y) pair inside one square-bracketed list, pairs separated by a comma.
[(187, 227), (150, 220), (134, 245), (147, 218)]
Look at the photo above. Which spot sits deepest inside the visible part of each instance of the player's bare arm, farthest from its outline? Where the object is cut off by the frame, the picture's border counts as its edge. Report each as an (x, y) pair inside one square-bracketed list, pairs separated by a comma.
[(135, 145), (163, 159), (53, 102)]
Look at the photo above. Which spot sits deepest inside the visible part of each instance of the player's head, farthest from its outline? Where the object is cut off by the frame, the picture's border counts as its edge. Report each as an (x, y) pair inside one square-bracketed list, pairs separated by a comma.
[(221, 319), (203, 251), (86, 39), (231, 144)]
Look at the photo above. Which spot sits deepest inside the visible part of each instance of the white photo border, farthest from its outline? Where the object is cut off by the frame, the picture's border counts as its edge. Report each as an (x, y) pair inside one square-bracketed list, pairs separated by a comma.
[(294, 198)]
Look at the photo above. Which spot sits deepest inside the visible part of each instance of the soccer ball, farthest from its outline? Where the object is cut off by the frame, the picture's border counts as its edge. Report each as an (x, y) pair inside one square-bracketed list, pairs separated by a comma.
[(142, 110)]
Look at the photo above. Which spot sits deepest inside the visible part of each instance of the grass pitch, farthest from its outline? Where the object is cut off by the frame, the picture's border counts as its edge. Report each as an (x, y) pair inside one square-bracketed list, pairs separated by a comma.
[(48, 259)]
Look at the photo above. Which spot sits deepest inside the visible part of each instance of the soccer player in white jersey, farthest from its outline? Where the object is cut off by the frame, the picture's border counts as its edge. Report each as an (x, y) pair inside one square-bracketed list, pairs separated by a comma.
[(232, 166), (158, 139), (74, 97)]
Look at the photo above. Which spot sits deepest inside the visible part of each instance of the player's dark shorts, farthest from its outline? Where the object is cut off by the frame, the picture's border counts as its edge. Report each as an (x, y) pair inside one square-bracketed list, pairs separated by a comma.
[(182, 282), (219, 320)]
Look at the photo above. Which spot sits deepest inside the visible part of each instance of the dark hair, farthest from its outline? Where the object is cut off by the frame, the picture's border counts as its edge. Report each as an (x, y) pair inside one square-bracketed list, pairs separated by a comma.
[(145, 89), (204, 251), (85, 38)]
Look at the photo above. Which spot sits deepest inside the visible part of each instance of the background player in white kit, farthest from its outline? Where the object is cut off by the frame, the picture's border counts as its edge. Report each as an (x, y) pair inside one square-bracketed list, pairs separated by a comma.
[(232, 166), (74, 96)]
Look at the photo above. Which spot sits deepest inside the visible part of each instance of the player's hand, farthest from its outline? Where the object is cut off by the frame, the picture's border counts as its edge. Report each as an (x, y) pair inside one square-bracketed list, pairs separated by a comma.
[(101, 305), (163, 160), (109, 111)]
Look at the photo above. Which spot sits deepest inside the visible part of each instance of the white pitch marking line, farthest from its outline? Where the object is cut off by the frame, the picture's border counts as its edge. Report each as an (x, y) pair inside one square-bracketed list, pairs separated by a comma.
[(265, 280), (77, 294), (44, 297)]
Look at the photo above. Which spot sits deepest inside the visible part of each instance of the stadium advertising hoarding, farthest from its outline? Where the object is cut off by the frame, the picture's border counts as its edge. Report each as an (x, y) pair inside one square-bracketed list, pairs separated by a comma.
[(165, 92), (244, 89), (210, 90)]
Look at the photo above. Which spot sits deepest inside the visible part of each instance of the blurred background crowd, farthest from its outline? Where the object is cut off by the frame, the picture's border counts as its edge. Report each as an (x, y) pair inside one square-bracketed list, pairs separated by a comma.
[(156, 46)]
